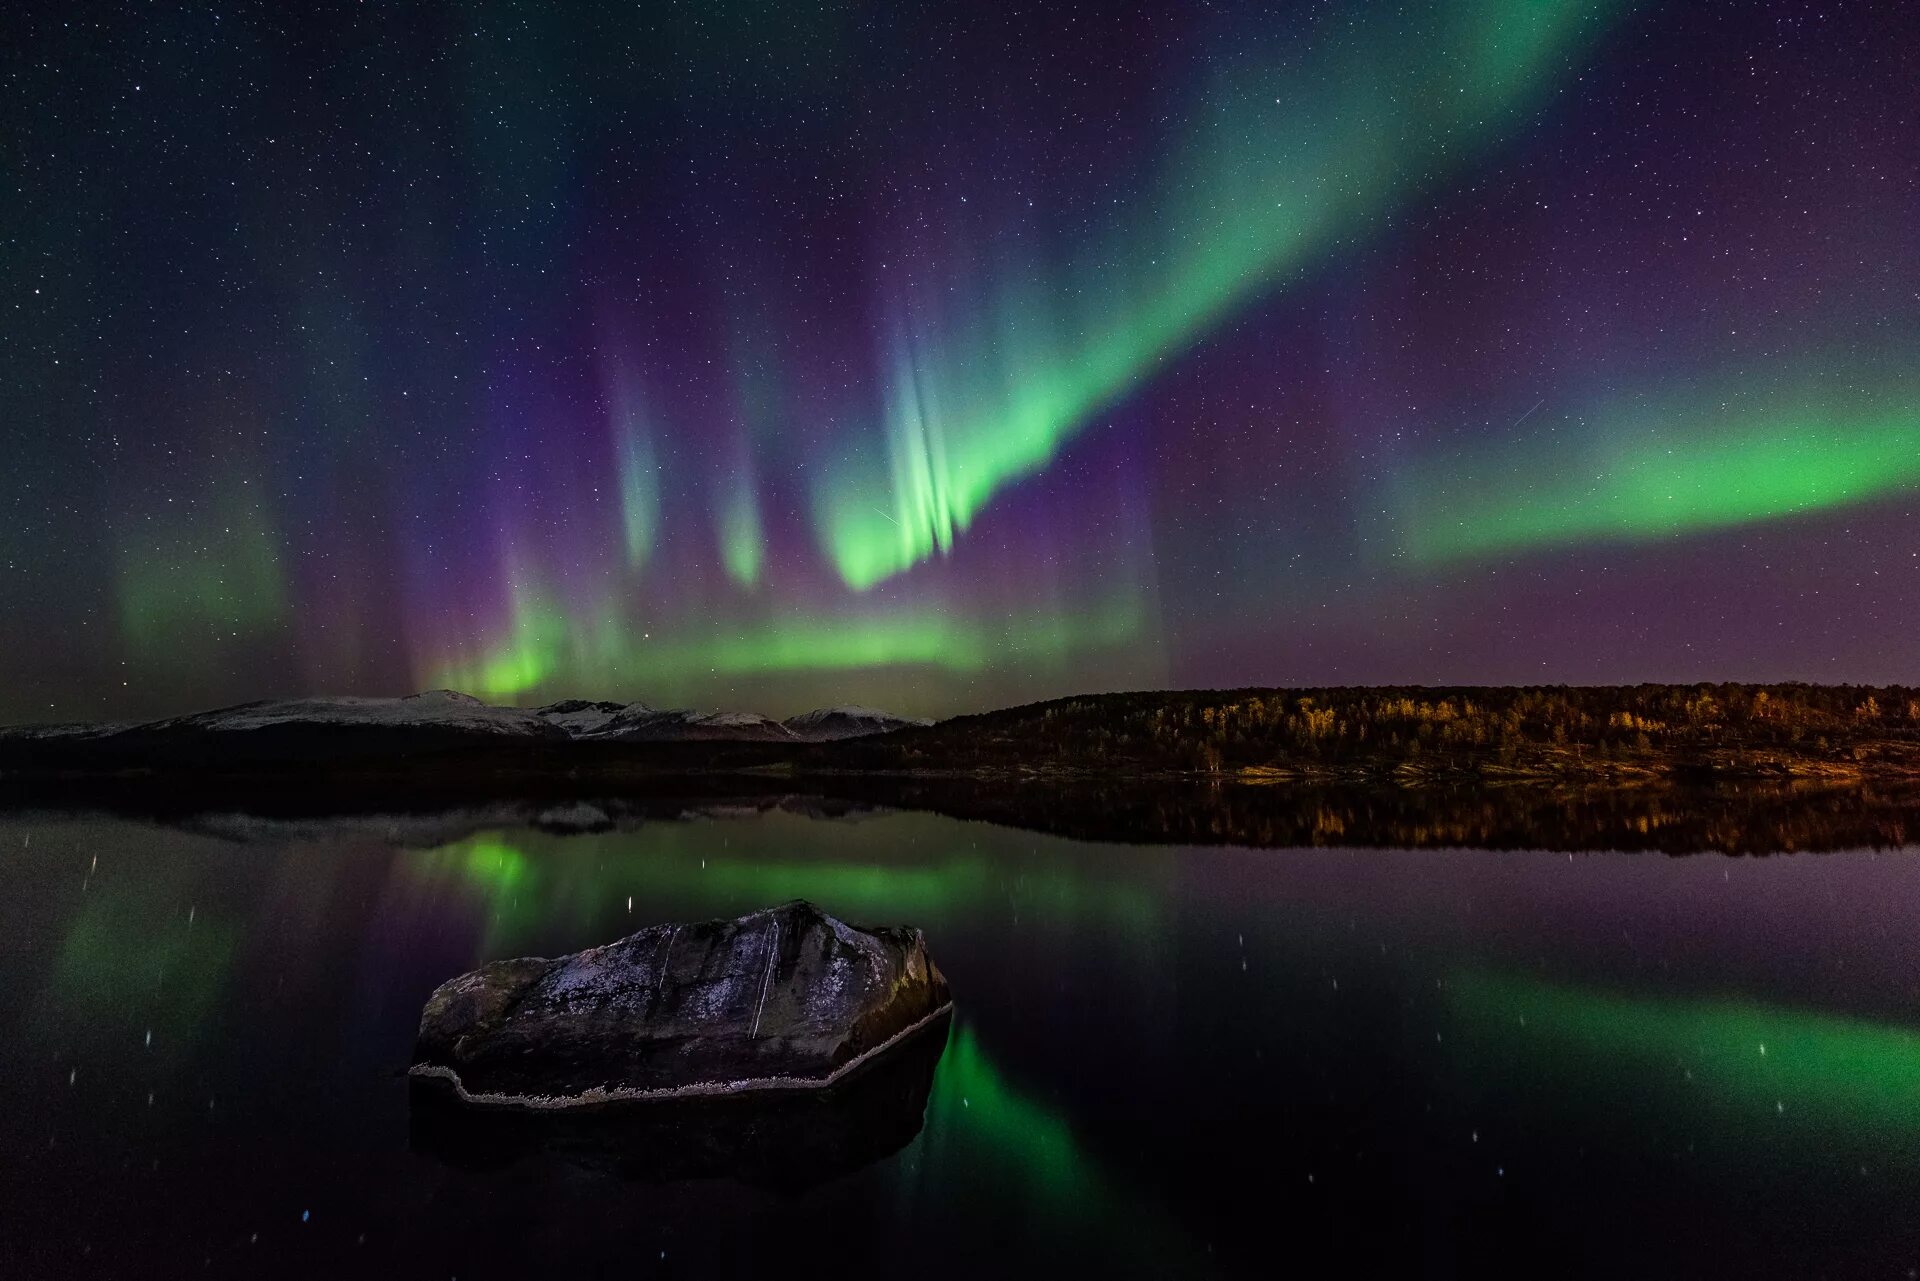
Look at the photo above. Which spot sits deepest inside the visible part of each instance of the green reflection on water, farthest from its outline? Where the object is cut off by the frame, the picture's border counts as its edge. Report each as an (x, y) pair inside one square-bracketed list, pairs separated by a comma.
[(1765, 1060), (125, 963), (496, 864), (533, 884), (983, 1130), (1036, 1143)]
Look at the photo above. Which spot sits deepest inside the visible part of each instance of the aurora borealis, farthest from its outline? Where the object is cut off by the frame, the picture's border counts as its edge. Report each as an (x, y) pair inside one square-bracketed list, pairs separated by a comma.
[(943, 357)]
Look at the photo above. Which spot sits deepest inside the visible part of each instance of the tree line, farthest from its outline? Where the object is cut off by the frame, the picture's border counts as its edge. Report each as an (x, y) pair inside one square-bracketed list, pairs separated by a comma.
[(1212, 731)]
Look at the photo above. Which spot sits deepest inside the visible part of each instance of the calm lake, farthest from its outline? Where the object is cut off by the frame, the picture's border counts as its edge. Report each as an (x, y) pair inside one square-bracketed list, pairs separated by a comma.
[(1165, 1060)]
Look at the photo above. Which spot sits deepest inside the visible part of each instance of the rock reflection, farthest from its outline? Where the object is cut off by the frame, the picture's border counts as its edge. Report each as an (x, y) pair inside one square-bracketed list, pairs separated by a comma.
[(790, 1141)]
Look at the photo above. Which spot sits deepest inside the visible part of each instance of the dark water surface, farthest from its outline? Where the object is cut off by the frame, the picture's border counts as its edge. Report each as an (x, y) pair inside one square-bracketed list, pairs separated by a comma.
[(1166, 1060)]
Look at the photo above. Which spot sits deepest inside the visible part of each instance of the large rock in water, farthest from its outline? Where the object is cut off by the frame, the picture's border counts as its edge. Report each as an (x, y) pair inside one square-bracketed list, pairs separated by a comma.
[(781, 999)]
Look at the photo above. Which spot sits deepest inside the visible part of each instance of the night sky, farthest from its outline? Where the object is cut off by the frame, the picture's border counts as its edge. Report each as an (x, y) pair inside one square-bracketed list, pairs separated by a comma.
[(941, 356)]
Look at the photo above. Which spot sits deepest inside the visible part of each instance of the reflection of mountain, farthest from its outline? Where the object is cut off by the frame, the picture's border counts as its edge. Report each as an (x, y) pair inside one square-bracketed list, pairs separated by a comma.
[(790, 1141), (580, 816), (1747, 818)]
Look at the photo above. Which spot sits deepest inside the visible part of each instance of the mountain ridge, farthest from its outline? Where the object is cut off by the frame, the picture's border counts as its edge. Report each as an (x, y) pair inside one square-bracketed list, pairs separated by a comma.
[(1396, 735), (453, 713)]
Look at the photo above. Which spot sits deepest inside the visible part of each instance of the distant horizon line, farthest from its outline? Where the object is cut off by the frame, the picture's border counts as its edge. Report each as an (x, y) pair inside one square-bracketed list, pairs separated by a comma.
[(987, 710)]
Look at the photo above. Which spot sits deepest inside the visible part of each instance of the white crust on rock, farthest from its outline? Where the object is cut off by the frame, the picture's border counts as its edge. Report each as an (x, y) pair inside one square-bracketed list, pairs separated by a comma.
[(697, 1089)]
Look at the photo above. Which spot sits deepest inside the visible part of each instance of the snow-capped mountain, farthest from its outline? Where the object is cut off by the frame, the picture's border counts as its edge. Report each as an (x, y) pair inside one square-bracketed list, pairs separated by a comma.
[(438, 709), (642, 724), (585, 718), (828, 724), (280, 733), (66, 731), (291, 730)]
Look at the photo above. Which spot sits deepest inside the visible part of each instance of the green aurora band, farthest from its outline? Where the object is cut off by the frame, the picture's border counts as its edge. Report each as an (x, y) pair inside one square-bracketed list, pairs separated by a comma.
[(1292, 162), (1764, 1061), (1727, 456), (548, 642)]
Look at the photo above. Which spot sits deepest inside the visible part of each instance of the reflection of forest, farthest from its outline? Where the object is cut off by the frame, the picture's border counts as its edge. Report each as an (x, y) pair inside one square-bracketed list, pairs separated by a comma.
[(1755, 818)]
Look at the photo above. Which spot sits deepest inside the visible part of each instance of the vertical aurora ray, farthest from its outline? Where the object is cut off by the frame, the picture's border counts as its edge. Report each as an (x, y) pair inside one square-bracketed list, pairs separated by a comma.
[(1280, 169), (758, 404), (639, 478), (528, 657), (742, 541)]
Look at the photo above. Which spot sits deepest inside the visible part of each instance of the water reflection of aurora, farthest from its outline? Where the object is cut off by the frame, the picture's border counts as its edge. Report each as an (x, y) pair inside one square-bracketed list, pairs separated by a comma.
[(527, 882), (1759, 1063)]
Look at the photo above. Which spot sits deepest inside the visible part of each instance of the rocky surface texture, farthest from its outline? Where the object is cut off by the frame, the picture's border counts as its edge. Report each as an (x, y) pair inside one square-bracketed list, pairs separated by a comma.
[(787, 998)]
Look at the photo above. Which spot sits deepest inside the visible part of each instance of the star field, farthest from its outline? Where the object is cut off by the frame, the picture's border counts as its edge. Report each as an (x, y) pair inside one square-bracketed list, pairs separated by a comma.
[(950, 356)]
